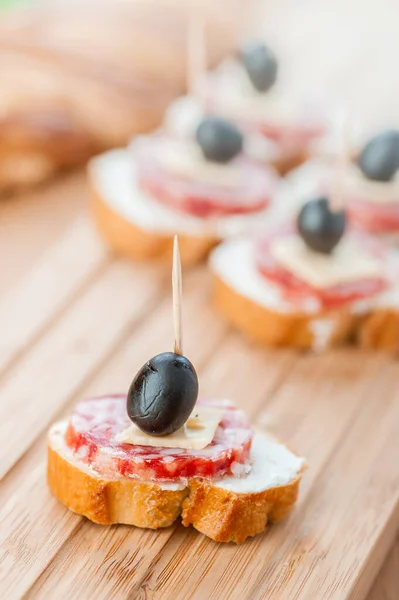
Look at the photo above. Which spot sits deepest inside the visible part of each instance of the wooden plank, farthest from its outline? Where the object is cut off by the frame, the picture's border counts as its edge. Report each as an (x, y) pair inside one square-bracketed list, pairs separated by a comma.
[(78, 344), (333, 543), (36, 301), (363, 478), (386, 586), (31, 222)]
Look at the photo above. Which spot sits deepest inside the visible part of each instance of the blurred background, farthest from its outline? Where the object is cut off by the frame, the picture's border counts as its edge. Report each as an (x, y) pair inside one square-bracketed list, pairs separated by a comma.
[(81, 76)]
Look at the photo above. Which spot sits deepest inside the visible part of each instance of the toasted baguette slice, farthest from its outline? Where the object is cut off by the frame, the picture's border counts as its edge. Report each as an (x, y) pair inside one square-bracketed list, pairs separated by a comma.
[(255, 307), (230, 509), (138, 227)]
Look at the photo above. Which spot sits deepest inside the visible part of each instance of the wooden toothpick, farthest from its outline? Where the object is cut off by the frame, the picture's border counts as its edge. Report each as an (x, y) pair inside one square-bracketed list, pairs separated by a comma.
[(177, 298), (196, 52), (342, 161)]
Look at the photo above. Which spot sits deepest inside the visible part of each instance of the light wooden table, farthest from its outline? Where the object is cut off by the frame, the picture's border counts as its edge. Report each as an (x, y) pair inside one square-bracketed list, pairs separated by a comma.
[(75, 321)]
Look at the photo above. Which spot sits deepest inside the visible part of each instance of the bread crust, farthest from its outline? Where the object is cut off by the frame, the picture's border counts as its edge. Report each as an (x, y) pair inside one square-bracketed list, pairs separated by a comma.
[(271, 328), (290, 159), (380, 330), (112, 501), (377, 330), (126, 239), (222, 515), (226, 516)]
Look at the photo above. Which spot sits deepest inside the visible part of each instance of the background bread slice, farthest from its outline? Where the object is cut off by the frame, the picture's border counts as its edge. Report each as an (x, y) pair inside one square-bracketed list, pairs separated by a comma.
[(378, 329), (246, 299), (272, 328), (137, 226), (135, 243), (221, 514)]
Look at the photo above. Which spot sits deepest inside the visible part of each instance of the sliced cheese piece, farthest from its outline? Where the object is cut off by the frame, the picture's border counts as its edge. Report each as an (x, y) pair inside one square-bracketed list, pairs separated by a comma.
[(374, 192), (185, 159), (196, 434), (347, 263)]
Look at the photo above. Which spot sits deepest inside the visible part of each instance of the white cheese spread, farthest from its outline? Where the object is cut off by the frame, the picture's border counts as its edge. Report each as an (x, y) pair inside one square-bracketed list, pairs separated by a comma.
[(273, 465)]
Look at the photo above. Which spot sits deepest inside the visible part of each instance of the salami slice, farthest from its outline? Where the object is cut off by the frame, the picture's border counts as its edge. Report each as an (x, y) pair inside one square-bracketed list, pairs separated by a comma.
[(252, 191), (297, 291), (374, 218), (292, 136), (95, 423)]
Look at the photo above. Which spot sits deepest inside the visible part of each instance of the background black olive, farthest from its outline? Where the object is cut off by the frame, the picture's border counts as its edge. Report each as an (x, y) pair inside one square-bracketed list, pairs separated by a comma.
[(261, 65), (379, 159), (163, 394), (219, 139), (319, 226)]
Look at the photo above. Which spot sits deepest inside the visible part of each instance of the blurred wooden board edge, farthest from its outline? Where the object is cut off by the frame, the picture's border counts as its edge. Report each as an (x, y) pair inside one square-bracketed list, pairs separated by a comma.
[(386, 585)]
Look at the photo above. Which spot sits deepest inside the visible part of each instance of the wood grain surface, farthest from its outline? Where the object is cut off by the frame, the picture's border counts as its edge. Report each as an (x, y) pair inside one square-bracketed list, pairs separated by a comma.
[(76, 321)]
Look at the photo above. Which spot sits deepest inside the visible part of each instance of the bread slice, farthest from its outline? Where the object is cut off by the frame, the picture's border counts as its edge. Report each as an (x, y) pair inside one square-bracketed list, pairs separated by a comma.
[(290, 159), (138, 227), (229, 509), (255, 307)]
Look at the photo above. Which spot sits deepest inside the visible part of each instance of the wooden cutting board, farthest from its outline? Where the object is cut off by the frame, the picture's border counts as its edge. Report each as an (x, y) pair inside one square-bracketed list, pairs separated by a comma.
[(73, 323)]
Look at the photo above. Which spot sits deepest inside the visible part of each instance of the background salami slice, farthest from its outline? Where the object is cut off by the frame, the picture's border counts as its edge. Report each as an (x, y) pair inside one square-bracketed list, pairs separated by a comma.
[(95, 423), (374, 218), (253, 192), (298, 291)]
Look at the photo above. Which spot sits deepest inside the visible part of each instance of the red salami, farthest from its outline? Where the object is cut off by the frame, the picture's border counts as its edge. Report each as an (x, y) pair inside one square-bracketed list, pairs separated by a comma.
[(374, 218), (95, 423), (297, 291), (292, 136), (252, 193)]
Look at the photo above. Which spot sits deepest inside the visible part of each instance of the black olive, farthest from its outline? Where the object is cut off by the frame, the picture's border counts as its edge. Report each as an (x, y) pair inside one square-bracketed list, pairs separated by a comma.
[(261, 65), (379, 159), (219, 139), (321, 228), (163, 394)]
